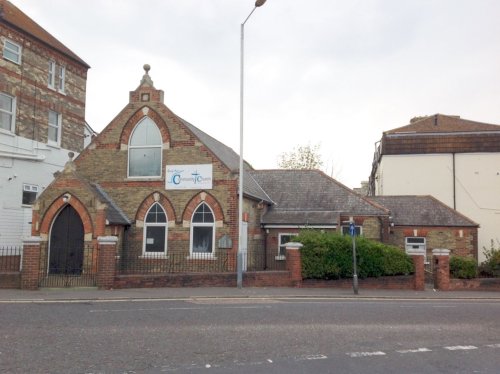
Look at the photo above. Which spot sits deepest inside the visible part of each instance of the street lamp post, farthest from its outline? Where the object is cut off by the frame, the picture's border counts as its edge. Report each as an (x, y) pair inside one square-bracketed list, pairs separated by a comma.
[(239, 264)]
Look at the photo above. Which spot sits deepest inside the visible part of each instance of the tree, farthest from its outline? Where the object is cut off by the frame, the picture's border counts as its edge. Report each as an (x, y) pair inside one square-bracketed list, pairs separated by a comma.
[(302, 157)]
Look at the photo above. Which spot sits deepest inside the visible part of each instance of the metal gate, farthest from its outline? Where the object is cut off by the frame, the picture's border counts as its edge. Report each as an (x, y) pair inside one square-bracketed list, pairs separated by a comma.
[(68, 267)]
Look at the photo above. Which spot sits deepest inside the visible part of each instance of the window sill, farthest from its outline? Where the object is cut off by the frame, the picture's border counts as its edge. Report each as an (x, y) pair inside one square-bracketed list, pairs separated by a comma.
[(155, 256), (53, 145), (203, 256), (280, 258), (7, 132)]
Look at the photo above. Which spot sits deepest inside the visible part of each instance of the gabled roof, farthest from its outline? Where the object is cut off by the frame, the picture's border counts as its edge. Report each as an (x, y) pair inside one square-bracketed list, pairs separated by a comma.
[(422, 211), (310, 197), (114, 214), (231, 159), (224, 153), (440, 123), (14, 17)]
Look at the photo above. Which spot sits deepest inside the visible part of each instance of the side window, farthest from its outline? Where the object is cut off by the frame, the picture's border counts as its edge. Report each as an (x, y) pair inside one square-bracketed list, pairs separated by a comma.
[(155, 231), (57, 77), (54, 128), (7, 112), (202, 231), (145, 150), (52, 75), (30, 192), (283, 239), (12, 51)]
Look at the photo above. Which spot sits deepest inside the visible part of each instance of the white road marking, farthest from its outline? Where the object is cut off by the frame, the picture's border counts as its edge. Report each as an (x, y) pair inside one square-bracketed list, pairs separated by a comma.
[(269, 360), (460, 347), (493, 345), (316, 357), (418, 350), (365, 354), (179, 308)]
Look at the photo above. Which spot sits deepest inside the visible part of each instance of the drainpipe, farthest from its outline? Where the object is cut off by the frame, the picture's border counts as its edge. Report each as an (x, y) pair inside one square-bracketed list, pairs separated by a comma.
[(454, 185)]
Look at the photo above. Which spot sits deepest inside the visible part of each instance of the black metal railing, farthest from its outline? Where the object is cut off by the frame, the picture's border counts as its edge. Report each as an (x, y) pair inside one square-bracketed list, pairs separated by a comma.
[(10, 258), (175, 262), (131, 259), (68, 267)]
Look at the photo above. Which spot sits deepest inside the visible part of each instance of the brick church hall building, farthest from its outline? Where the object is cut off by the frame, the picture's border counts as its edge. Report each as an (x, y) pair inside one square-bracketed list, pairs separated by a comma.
[(153, 201)]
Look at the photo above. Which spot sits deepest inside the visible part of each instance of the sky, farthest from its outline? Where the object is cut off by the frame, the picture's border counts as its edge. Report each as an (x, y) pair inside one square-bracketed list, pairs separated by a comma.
[(331, 73)]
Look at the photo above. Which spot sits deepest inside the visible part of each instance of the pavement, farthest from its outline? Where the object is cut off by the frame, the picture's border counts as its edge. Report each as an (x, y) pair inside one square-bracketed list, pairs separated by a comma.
[(93, 294)]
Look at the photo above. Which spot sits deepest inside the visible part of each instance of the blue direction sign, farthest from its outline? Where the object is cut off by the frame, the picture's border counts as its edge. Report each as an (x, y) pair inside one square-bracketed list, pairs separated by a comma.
[(352, 229)]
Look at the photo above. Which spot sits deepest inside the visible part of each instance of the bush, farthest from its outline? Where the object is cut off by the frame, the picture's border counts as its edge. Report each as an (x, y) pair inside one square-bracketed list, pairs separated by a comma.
[(463, 267), (329, 256), (491, 266)]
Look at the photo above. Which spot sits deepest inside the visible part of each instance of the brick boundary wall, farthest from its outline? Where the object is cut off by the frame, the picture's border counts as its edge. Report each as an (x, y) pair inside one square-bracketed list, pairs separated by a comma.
[(250, 279), (31, 263), (476, 284), (10, 279), (441, 261), (106, 261), (403, 282)]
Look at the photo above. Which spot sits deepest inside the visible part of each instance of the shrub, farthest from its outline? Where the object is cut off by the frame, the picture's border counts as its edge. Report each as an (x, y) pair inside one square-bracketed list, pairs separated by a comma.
[(463, 267), (329, 256), (491, 266)]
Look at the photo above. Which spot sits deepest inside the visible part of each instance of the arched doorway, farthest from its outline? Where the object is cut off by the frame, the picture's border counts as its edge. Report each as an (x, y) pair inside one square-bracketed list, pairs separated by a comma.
[(66, 243)]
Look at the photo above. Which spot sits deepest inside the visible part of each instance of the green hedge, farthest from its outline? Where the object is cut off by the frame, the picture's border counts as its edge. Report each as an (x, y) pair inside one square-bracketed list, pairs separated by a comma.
[(463, 267), (491, 266), (329, 256)]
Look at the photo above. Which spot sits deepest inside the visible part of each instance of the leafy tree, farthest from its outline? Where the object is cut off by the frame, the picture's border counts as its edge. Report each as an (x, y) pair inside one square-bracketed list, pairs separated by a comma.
[(302, 157)]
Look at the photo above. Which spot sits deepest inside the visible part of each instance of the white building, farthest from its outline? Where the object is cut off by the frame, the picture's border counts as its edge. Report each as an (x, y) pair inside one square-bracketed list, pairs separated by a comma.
[(42, 115), (455, 160)]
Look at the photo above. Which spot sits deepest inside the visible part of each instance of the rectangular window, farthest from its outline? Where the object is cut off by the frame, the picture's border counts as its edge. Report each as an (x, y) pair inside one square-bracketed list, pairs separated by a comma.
[(52, 74), (202, 239), (30, 191), (61, 73), (415, 243), (12, 51), (57, 77), (283, 239), (54, 134), (7, 110)]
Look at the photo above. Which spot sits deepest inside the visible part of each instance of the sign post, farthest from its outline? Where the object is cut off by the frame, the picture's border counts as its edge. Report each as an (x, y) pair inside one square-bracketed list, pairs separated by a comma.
[(352, 232)]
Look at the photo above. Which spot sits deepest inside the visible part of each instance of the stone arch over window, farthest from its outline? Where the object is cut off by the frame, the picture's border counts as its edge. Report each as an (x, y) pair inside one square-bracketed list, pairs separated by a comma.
[(146, 204), (197, 200), (57, 205), (136, 118)]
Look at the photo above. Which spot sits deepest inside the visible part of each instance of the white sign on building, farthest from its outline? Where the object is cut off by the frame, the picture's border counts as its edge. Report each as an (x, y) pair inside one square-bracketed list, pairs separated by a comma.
[(188, 177)]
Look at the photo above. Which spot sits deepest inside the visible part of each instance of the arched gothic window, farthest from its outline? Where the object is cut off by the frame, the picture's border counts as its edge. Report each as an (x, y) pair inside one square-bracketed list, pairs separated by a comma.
[(145, 150), (202, 231), (155, 231)]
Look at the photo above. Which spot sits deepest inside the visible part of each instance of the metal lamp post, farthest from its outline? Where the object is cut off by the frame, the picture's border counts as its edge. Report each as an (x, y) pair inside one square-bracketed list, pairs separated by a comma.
[(239, 264)]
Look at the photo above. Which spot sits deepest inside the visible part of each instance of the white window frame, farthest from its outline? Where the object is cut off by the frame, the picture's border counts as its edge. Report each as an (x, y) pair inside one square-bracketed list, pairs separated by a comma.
[(157, 254), (419, 242), (61, 78), (131, 147), (11, 113), (13, 48), (52, 75), (282, 254), (202, 255), (57, 77), (57, 126), (29, 188)]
